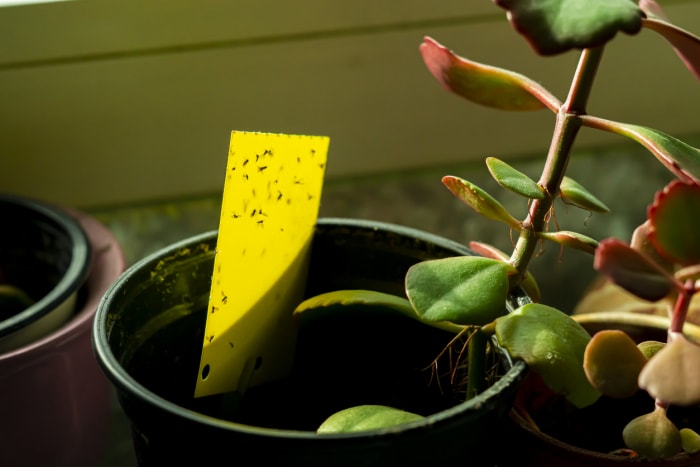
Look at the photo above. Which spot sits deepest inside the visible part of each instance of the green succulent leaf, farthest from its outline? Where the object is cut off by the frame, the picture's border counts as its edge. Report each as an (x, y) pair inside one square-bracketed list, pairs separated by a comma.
[(690, 440), (365, 417), (479, 200), (484, 84), (529, 284), (571, 239), (650, 348), (674, 217), (573, 192), (680, 158), (553, 27), (468, 290), (653, 435), (513, 180), (359, 301), (632, 270), (553, 345)]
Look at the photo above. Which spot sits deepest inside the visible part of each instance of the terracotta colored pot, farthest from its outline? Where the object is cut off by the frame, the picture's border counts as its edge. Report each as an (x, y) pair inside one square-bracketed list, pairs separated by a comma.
[(531, 447), (148, 341), (55, 403)]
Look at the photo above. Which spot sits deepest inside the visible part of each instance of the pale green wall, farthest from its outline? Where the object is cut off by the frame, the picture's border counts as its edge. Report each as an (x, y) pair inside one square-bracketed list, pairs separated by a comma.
[(104, 102)]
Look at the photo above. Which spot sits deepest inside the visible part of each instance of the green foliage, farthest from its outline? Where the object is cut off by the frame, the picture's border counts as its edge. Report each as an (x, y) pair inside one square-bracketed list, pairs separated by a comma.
[(552, 27), (365, 417), (479, 200), (367, 302), (653, 435), (677, 156), (575, 193), (513, 179), (463, 290), (690, 440), (649, 348), (552, 344), (662, 261), (573, 240)]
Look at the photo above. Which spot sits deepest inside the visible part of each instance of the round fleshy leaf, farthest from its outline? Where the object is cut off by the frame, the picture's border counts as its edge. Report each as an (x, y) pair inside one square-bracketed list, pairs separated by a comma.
[(675, 222), (650, 348), (612, 363), (365, 417), (479, 200), (513, 180), (672, 375), (553, 27), (468, 290), (552, 344), (690, 440), (653, 435), (484, 84), (632, 270), (575, 193)]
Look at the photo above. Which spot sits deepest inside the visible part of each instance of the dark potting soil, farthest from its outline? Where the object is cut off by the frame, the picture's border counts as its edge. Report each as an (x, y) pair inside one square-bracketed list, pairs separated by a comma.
[(337, 366)]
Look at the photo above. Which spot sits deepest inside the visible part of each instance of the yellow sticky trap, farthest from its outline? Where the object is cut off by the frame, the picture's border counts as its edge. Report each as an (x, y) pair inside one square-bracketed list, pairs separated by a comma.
[(270, 205)]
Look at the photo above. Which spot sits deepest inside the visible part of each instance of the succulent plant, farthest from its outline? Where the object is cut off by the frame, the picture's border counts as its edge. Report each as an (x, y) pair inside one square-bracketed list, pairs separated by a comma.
[(662, 261)]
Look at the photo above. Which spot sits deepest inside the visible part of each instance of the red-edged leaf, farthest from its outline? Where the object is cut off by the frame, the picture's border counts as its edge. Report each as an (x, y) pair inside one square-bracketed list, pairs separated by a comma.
[(680, 158), (484, 84), (632, 270), (675, 222), (686, 45), (479, 200), (573, 240), (641, 242)]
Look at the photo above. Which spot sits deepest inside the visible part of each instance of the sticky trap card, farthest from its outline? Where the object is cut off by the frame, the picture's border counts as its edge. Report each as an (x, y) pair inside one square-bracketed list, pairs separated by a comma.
[(271, 197)]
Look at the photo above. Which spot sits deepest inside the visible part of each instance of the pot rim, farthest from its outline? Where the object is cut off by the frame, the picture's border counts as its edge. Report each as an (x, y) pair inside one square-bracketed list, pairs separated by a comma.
[(75, 274), (124, 381), (108, 262)]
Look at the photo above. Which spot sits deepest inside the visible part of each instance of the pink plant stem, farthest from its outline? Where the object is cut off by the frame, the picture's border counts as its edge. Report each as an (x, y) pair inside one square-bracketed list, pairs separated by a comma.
[(680, 308)]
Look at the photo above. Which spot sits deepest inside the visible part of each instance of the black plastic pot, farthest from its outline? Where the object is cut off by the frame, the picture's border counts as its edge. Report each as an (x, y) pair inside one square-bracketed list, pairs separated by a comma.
[(148, 336)]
